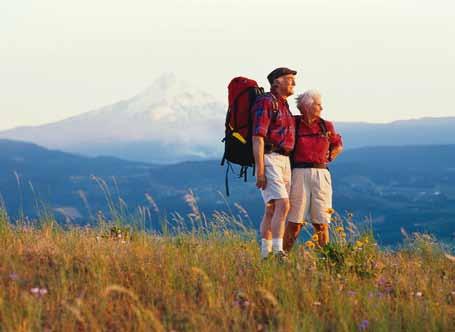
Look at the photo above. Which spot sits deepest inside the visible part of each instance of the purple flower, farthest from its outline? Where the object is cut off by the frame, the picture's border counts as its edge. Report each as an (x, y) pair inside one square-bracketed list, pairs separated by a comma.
[(363, 325), (351, 293), (14, 276)]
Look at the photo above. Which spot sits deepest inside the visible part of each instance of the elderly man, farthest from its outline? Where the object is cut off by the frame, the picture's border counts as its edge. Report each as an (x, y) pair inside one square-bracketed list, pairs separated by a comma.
[(317, 144), (273, 141)]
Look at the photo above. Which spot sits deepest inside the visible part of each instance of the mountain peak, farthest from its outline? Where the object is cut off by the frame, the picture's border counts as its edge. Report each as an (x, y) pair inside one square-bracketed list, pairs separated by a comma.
[(166, 85)]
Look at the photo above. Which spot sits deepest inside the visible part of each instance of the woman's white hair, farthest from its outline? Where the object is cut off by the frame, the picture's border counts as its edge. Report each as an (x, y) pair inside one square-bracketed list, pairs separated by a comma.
[(307, 98)]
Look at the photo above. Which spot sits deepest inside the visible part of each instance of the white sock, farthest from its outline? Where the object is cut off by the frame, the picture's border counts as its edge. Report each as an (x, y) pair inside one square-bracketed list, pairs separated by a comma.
[(277, 245), (266, 247)]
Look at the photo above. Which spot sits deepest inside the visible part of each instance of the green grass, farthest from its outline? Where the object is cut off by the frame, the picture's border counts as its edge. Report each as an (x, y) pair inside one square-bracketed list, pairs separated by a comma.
[(210, 278)]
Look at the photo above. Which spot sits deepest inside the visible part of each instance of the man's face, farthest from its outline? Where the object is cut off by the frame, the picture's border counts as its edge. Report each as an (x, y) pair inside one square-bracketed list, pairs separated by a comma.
[(286, 85)]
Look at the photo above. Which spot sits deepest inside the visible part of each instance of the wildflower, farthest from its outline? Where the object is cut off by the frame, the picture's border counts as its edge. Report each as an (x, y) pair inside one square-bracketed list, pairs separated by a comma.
[(343, 235), (38, 292), (419, 294), (315, 237), (339, 229), (317, 303), (330, 211), (43, 291), (309, 244), (351, 293), (14, 276), (241, 300), (363, 325), (34, 290), (358, 244)]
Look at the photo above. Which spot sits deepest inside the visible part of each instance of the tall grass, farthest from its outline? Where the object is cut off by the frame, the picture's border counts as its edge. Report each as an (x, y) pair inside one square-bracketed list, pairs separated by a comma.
[(203, 273)]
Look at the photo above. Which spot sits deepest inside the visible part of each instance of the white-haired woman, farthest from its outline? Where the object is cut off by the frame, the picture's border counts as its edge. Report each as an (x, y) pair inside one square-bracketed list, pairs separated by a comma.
[(317, 144)]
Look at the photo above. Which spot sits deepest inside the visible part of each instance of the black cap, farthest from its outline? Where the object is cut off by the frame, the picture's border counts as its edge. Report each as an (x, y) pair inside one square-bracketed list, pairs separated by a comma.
[(280, 72)]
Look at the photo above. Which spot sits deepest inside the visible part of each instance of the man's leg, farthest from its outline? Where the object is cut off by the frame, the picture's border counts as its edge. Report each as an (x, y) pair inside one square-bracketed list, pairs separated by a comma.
[(266, 229), (278, 223)]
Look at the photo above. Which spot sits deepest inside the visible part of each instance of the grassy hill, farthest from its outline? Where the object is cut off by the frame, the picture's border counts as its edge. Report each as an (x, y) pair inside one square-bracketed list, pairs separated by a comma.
[(395, 187), (209, 278)]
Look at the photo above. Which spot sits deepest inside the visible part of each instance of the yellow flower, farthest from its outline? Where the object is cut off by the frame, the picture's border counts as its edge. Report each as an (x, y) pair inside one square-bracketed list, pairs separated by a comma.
[(315, 237), (309, 244), (339, 229), (343, 235), (365, 240), (358, 244), (330, 211)]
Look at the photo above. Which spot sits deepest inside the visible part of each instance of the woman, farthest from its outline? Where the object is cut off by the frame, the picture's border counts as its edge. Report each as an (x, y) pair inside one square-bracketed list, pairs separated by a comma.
[(317, 144)]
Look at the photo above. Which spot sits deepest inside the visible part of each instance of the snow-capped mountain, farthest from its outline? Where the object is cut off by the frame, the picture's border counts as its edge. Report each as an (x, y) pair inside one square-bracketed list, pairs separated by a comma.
[(169, 121)]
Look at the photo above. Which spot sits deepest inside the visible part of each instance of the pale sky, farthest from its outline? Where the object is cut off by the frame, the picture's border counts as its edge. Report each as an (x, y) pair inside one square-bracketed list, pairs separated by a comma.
[(372, 60)]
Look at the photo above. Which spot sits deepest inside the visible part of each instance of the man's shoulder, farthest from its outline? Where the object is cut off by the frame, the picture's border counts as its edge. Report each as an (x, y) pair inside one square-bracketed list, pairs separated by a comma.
[(266, 100), (266, 97)]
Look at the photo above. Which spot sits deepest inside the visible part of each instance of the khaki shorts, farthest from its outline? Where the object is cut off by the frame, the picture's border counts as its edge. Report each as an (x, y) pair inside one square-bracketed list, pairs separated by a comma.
[(311, 196), (278, 175)]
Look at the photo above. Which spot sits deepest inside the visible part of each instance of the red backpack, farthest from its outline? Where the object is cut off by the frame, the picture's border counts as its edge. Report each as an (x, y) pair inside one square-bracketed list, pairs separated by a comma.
[(238, 145)]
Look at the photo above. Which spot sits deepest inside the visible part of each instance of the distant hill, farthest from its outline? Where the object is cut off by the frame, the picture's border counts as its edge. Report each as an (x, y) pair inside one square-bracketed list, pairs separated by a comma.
[(425, 131), (411, 187)]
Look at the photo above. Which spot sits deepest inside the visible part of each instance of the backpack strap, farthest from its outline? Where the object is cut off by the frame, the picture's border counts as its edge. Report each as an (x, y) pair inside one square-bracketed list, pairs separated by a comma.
[(323, 127), (323, 132), (275, 109)]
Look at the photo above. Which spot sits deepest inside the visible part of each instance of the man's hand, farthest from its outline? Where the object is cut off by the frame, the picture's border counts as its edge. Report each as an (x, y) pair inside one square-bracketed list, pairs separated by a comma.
[(261, 181)]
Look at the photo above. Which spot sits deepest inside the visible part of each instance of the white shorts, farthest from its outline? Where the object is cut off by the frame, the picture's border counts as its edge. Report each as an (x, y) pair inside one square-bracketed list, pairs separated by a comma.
[(278, 175), (311, 196)]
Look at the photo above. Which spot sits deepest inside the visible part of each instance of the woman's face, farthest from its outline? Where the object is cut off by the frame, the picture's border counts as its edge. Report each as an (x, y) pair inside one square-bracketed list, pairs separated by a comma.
[(314, 110)]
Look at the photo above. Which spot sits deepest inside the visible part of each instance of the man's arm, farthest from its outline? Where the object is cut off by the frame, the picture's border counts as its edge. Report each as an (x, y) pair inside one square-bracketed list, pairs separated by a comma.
[(258, 152)]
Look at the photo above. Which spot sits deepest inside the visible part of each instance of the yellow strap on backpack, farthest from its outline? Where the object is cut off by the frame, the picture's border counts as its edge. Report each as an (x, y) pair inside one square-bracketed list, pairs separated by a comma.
[(239, 137)]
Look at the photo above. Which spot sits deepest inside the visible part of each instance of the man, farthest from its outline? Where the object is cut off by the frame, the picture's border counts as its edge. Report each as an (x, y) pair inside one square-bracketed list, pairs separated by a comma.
[(273, 141), (317, 144)]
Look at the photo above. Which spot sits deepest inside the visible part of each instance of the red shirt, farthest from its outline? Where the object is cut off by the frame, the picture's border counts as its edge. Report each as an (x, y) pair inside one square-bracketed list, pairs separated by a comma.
[(273, 120), (311, 145)]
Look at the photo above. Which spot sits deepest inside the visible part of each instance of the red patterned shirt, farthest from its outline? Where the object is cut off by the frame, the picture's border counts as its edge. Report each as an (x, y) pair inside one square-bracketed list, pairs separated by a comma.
[(273, 120), (311, 145)]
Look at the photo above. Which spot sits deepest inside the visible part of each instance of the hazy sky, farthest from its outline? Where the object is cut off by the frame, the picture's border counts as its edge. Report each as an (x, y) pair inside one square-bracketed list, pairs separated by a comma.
[(372, 60)]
